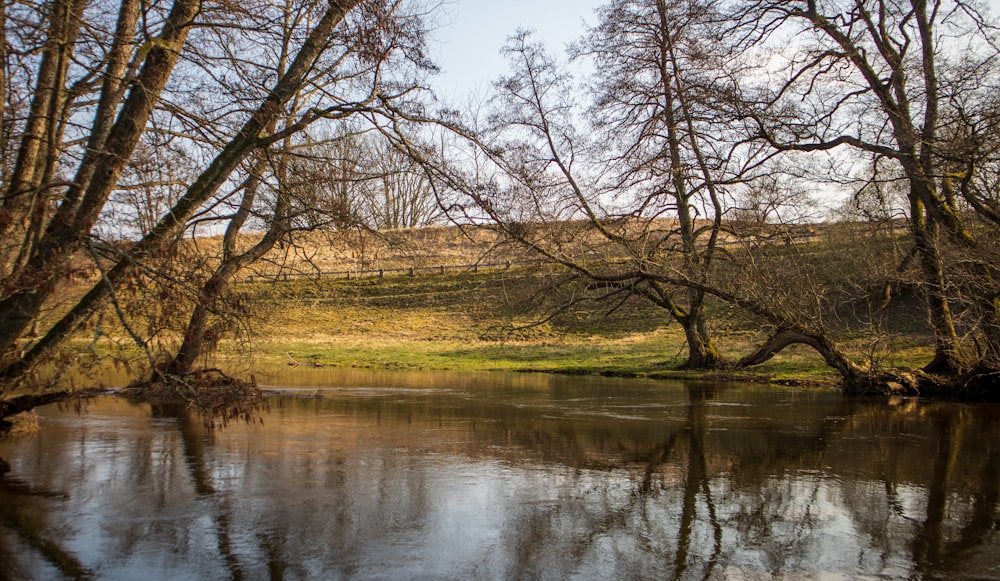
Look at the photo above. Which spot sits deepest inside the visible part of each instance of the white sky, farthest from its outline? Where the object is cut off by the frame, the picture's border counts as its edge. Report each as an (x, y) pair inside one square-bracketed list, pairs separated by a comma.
[(467, 43)]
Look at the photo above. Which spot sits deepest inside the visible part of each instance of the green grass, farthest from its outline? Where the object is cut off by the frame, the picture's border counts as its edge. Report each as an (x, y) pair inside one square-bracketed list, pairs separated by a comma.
[(484, 321), (476, 322)]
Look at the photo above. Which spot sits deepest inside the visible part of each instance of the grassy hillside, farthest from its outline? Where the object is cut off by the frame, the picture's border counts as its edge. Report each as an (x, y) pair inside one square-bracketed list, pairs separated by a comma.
[(348, 299), (478, 321)]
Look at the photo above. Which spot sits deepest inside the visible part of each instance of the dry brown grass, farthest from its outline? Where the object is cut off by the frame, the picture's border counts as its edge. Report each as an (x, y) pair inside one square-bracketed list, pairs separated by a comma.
[(352, 251), (463, 319)]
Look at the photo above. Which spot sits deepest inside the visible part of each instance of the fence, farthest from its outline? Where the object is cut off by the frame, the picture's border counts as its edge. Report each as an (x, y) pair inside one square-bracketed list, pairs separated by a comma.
[(786, 238), (382, 272)]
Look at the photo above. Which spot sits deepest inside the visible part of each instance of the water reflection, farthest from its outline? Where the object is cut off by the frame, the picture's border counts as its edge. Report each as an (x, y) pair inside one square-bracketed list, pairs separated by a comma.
[(513, 476)]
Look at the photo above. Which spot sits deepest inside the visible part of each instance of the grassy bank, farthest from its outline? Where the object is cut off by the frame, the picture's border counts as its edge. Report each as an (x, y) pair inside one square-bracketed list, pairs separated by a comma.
[(433, 311), (482, 321)]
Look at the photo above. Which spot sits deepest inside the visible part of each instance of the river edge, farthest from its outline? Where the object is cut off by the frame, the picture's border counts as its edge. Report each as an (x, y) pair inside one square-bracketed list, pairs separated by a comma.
[(219, 392), (16, 414)]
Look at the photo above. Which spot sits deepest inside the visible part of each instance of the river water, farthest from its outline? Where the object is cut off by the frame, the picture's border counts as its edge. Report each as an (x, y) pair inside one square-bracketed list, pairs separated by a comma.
[(502, 476)]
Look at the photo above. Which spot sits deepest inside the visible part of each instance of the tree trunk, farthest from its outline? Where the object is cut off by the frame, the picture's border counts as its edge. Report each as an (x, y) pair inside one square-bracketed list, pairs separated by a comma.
[(990, 358), (18, 310), (32, 155), (195, 335), (702, 353), (850, 372), (947, 357), (35, 283)]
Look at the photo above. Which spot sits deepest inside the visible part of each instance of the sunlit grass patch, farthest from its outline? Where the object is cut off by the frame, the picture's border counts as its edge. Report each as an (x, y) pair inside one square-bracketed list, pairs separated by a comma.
[(477, 321)]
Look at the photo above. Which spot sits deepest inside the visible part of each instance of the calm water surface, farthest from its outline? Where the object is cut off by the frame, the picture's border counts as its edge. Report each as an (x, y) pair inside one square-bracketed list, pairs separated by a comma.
[(455, 476)]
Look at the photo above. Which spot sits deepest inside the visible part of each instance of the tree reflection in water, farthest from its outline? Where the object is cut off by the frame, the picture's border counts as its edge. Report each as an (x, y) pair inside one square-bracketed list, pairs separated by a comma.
[(19, 514), (511, 476)]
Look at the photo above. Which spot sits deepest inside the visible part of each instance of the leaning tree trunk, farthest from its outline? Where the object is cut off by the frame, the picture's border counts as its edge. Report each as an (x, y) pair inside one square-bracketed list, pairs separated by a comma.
[(853, 376), (25, 187), (196, 335), (20, 309), (35, 283)]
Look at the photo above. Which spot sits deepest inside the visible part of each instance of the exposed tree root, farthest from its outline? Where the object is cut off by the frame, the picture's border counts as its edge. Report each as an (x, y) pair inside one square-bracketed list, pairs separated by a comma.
[(857, 380), (978, 385)]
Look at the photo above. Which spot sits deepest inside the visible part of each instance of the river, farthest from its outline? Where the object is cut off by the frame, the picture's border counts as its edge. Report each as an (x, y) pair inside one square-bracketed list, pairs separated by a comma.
[(366, 475)]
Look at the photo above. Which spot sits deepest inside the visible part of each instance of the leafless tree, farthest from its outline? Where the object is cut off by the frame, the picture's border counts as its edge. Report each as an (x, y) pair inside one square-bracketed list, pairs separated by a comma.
[(380, 186), (395, 193), (894, 81), (284, 189), (226, 82), (657, 202), (873, 84), (657, 66)]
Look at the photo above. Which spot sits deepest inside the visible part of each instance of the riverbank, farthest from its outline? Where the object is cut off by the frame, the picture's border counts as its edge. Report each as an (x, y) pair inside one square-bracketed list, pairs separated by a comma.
[(451, 299), (503, 320)]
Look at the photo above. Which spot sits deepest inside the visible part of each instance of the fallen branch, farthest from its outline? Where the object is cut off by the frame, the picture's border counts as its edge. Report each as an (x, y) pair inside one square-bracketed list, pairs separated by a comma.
[(218, 397)]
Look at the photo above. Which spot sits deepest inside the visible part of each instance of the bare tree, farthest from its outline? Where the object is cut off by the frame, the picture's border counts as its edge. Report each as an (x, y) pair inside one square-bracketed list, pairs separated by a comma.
[(395, 193), (282, 189), (653, 105), (882, 79), (854, 84), (33, 279), (152, 49), (657, 203)]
